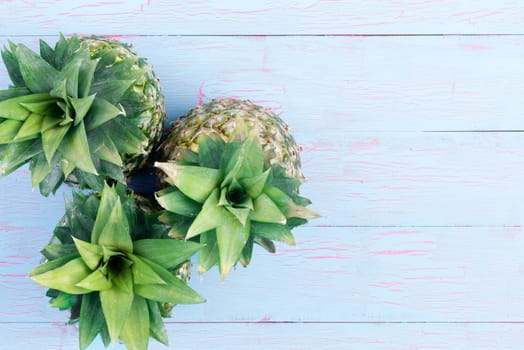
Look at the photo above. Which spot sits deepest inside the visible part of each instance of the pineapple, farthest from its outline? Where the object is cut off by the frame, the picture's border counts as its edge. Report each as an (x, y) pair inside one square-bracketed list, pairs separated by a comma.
[(87, 110), (220, 117), (114, 267), (231, 177)]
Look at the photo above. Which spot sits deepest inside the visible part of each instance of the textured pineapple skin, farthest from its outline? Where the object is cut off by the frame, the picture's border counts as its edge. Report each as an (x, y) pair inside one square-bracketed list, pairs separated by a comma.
[(146, 92), (220, 116)]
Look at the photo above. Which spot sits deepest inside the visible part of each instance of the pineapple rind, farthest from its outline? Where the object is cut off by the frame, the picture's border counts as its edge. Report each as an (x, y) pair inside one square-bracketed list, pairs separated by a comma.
[(221, 117), (146, 92)]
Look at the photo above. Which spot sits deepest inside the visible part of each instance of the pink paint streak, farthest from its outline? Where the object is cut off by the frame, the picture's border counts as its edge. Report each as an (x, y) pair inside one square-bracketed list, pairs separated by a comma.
[(400, 252)]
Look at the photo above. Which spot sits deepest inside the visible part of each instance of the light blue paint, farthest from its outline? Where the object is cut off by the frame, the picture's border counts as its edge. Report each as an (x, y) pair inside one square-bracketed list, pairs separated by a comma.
[(359, 106)]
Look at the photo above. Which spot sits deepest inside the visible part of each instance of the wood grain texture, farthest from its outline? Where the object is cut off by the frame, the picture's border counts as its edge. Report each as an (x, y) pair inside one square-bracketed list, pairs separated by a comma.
[(261, 17), (337, 274), (292, 336), (345, 84), (383, 179), (420, 244)]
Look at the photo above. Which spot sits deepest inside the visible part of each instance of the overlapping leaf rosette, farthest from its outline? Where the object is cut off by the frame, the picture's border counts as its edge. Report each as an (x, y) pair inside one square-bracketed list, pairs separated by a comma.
[(114, 267), (86, 111), (90, 112), (227, 197)]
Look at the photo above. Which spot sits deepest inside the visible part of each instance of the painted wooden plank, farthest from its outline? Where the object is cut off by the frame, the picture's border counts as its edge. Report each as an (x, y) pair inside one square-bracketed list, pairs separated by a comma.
[(261, 17), (346, 84), (290, 336), (377, 179), (334, 274)]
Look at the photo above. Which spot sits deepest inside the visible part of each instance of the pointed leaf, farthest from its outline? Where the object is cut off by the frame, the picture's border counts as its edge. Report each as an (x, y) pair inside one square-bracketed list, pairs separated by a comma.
[(8, 130), (128, 138), (116, 305), (231, 239), (265, 243), (13, 92), (271, 231), (65, 277), (38, 75), (91, 319), (40, 169), (101, 112), (255, 185), (30, 128), (267, 211), (47, 52), (142, 273), (135, 333), (241, 214), (112, 90), (53, 264), (86, 76), (116, 233), (107, 203), (52, 138), (12, 109), (246, 160), (156, 324), (70, 74), (13, 69), (103, 147), (50, 122), (40, 107), (208, 256), (52, 181), (195, 182), (96, 281), (175, 291), (81, 107), (56, 251), (67, 168), (210, 149), (17, 154), (175, 201), (247, 252), (90, 253), (63, 301), (168, 253), (286, 204), (75, 149), (210, 217)]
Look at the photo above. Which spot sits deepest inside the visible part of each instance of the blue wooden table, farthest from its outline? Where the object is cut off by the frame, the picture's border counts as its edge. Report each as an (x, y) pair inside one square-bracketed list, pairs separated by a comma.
[(410, 114)]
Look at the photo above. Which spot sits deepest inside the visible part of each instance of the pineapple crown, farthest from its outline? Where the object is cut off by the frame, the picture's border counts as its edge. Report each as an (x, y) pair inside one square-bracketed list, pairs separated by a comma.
[(118, 259), (63, 114), (228, 198)]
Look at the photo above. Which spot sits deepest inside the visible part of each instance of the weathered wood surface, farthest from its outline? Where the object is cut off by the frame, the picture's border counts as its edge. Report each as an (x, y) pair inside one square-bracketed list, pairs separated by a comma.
[(382, 179), (265, 336), (420, 245), (334, 274), (345, 84), (256, 17)]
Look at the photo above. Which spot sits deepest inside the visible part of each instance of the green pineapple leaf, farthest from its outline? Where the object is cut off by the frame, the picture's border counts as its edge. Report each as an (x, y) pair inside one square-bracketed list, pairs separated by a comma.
[(135, 332), (167, 253), (195, 182), (92, 317), (156, 325), (63, 97), (173, 200), (111, 281), (241, 206)]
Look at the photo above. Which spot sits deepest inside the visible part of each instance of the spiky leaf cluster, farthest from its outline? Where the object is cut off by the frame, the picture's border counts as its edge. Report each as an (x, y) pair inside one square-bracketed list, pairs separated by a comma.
[(65, 115), (116, 261), (228, 198)]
